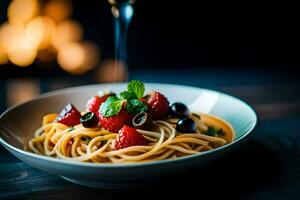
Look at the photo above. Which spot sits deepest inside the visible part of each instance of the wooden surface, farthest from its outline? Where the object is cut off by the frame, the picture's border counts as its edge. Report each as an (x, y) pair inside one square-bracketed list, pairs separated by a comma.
[(266, 167)]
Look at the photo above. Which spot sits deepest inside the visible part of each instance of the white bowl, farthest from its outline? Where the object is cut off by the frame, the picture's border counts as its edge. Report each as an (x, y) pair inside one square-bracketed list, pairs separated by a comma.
[(18, 123)]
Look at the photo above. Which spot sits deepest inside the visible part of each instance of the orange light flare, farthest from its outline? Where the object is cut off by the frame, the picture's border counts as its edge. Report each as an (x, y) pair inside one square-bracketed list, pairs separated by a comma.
[(58, 10), (10, 36), (3, 56), (44, 31), (111, 71), (21, 11), (19, 50), (67, 31), (40, 31), (24, 54), (78, 58)]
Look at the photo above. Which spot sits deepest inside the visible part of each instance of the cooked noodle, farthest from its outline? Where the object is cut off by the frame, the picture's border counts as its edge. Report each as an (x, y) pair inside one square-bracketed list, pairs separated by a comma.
[(97, 145)]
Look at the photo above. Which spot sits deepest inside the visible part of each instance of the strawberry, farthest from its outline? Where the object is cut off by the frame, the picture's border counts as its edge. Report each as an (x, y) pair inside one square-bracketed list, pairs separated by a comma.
[(95, 102), (69, 116), (158, 105), (128, 137), (115, 123)]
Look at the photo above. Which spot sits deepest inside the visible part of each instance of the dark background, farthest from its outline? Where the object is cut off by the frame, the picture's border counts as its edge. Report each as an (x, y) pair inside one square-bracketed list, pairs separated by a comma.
[(186, 34), (212, 44), (248, 50)]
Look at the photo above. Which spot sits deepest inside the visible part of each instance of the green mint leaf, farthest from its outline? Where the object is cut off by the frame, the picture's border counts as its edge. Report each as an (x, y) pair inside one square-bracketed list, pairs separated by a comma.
[(211, 131), (136, 87), (127, 95), (135, 106), (111, 106)]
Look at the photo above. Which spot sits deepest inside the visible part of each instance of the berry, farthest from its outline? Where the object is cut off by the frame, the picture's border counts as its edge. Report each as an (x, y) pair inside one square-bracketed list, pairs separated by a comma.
[(179, 110), (69, 116), (186, 125), (95, 102), (116, 122), (128, 137), (158, 105)]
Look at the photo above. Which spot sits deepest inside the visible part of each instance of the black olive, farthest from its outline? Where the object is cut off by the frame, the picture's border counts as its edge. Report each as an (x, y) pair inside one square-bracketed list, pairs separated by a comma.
[(186, 125), (142, 121), (89, 120), (179, 110)]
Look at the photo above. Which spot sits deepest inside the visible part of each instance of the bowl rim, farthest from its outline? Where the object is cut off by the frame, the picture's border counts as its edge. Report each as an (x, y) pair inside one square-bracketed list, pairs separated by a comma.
[(245, 135)]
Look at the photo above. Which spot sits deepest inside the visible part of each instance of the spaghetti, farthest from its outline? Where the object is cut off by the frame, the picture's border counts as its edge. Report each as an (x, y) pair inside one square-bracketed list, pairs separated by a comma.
[(96, 144), (129, 127)]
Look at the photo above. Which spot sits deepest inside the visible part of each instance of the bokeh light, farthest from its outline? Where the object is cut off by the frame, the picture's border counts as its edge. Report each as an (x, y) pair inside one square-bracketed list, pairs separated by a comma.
[(40, 31), (78, 58), (67, 31), (71, 58), (19, 49), (24, 54), (115, 11), (3, 56), (43, 31), (21, 11), (58, 10), (10, 36)]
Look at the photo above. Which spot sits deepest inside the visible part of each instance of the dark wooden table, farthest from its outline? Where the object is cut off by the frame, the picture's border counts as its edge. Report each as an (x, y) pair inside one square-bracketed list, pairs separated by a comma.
[(266, 167)]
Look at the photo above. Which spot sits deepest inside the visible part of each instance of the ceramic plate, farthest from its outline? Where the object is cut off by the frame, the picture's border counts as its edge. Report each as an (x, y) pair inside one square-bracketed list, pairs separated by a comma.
[(18, 123)]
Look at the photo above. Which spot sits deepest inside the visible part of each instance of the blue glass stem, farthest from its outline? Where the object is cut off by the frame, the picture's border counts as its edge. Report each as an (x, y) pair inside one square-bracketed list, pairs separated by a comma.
[(122, 21)]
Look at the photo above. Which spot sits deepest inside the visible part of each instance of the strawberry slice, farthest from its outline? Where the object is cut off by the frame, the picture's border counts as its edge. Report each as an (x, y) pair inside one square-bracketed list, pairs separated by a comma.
[(69, 116), (116, 122), (128, 137)]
